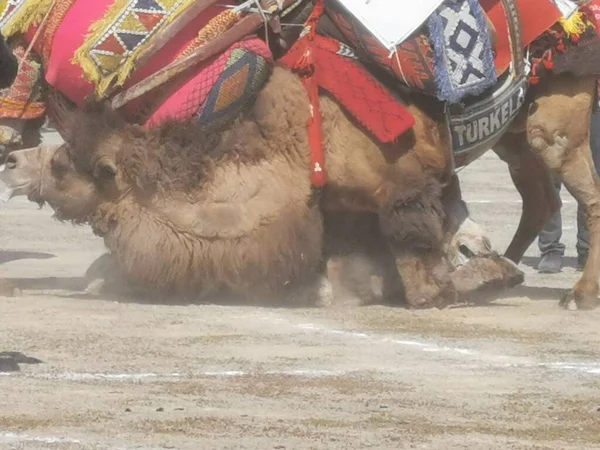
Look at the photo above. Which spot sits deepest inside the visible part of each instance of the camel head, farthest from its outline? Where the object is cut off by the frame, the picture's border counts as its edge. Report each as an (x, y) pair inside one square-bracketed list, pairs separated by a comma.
[(46, 174), (86, 171)]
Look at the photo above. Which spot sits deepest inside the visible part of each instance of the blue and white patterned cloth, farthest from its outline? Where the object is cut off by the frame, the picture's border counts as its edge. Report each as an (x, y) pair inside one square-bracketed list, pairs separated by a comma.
[(464, 60)]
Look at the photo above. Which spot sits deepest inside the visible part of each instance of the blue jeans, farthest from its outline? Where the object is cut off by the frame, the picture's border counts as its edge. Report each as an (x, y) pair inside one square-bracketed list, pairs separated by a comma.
[(549, 237)]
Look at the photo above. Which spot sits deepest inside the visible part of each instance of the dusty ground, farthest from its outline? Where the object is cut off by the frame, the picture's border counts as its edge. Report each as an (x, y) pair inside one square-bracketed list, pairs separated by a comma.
[(517, 374)]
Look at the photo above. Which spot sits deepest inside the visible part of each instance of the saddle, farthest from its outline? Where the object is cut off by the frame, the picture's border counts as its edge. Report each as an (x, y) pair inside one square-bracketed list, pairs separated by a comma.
[(462, 33)]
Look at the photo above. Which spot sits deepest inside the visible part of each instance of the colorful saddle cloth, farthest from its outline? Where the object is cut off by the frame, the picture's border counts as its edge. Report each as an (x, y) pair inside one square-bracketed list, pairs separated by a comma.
[(451, 55), (87, 45)]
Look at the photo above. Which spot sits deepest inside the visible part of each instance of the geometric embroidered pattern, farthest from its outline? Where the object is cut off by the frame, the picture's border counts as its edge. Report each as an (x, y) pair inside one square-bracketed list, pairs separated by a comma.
[(130, 31), (464, 61), (244, 76), (24, 98), (346, 51), (110, 52)]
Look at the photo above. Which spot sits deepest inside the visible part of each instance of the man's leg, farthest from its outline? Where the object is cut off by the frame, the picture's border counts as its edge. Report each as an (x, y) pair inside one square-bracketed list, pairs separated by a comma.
[(551, 248), (583, 239)]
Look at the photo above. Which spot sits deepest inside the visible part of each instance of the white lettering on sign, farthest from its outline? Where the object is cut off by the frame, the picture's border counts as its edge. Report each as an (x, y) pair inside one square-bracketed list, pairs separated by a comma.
[(488, 124)]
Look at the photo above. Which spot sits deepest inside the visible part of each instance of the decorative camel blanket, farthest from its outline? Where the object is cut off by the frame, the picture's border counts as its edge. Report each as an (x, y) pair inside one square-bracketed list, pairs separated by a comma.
[(24, 100), (85, 44), (571, 46), (114, 39), (427, 61), (336, 70), (464, 60)]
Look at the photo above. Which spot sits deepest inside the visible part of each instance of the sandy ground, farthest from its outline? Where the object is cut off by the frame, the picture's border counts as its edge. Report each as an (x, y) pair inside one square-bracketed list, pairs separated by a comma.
[(519, 373)]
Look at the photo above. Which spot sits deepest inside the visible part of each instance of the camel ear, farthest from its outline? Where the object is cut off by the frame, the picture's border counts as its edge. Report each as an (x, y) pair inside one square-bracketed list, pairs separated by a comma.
[(105, 170)]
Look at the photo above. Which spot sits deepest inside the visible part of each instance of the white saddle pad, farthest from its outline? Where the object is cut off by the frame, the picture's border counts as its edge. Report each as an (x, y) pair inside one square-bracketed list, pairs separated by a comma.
[(391, 21)]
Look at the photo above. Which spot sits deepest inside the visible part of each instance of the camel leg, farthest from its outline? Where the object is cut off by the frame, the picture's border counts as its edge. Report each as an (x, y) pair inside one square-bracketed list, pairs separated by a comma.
[(558, 129), (533, 181), (412, 221), (465, 238), (580, 179)]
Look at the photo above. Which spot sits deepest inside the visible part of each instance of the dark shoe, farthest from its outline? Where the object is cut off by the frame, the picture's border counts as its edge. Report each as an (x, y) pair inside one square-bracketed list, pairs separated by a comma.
[(581, 260), (550, 263)]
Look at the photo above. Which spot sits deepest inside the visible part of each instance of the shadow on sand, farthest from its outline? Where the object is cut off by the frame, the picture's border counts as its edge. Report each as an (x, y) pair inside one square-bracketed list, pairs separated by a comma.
[(50, 283), (15, 255), (9, 361)]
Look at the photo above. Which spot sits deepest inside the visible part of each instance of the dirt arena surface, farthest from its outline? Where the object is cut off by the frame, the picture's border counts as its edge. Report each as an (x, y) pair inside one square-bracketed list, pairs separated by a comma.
[(85, 373)]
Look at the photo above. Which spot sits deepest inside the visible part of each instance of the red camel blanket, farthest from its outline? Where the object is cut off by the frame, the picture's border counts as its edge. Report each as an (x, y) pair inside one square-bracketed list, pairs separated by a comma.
[(129, 26)]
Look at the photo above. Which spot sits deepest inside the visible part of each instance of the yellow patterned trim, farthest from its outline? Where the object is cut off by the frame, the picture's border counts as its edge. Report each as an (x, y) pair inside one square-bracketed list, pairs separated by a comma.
[(26, 13), (14, 109), (118, 68), (58, 13), (213, 29)]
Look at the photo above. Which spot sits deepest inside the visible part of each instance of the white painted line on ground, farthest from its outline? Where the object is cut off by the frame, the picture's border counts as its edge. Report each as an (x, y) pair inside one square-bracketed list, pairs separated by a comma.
[(8, 438), (586, 368), (77, 376), (591, 368), (124, 377)]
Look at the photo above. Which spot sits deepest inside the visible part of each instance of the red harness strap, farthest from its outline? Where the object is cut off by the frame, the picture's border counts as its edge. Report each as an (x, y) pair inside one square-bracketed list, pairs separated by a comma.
[(322, 62), (305, 68)]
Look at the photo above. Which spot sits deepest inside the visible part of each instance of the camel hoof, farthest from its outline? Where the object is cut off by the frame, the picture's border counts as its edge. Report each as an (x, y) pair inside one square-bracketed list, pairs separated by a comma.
[(572, 301)]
